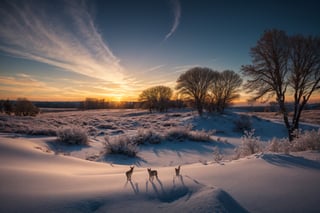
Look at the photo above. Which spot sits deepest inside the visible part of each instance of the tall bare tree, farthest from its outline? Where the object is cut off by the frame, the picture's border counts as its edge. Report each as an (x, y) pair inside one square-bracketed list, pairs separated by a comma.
[(224, 90), (156, 98), (280, 64), (195, 83), (305, 72)]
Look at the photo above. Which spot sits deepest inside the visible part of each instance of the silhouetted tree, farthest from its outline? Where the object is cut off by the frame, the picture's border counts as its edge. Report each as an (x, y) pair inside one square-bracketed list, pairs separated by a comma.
[(281, 63), (157, 97), (7, 106), (94, 103), (195, 84), (224, 90), (304, 72), (24, 107)]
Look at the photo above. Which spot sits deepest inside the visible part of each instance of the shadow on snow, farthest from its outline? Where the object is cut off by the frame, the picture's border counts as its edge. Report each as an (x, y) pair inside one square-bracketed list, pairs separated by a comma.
[(291, 161)]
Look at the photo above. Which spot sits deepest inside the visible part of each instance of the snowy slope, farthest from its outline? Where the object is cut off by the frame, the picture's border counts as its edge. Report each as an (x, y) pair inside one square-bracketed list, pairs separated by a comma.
[(33, 180), (38, 174)]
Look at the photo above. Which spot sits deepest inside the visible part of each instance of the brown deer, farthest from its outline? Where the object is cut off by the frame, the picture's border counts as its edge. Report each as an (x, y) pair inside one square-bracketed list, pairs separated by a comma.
[(152, 174), (177, 171), (129, 173)]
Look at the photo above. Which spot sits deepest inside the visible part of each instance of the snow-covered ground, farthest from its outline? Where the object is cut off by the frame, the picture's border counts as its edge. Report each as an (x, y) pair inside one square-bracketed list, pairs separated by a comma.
[(39, 174)]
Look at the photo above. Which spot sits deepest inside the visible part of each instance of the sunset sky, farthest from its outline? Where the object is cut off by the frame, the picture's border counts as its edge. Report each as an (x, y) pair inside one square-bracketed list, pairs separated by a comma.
[(113, 49)]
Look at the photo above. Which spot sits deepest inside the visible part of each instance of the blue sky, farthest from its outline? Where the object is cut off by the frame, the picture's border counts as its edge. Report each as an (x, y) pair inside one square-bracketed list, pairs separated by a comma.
[(113, 49)]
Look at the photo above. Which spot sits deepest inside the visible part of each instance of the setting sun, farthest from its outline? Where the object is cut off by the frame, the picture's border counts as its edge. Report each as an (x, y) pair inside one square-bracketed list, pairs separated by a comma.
[(159, 106)]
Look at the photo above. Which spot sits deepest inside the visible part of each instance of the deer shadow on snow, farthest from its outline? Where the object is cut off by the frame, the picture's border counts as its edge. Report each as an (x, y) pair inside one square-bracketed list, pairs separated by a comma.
[(134, 186), (166, 194)]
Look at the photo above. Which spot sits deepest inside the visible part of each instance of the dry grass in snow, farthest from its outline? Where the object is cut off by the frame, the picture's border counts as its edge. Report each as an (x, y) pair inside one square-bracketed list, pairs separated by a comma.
[(36, 173)]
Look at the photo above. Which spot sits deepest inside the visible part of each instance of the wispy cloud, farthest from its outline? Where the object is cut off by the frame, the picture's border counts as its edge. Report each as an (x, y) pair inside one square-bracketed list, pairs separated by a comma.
[(176, 21), (22, 85), (165, 76), (67, 39), (151, 69)]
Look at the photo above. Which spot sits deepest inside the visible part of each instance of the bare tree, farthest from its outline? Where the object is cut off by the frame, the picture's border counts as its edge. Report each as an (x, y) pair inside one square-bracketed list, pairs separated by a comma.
[(224, 89), (157, 98), (195, 84), (281, 63), (24, 107), (8, 107), (305, 72), (163, 99)]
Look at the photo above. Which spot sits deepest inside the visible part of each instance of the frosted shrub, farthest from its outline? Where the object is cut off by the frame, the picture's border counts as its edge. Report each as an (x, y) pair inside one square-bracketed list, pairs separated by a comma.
[(72, 135), (178, 133), (237, 152), (250, 144), (200, 135), (185, 133), (274, 145), (147, 136), (243, 123), (217, 155), (121, 144), (279, 145), (308, 140)]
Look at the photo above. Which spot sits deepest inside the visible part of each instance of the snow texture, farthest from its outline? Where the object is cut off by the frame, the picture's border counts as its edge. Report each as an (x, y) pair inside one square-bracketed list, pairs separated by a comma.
[(39, 174)]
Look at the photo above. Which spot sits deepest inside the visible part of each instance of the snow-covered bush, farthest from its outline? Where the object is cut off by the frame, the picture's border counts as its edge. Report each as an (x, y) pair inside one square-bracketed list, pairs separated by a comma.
[(121, 144), (200, 135), (72, 135), (178, 133), (307, 140), (279, 145), (217, 156), (243, 123), (182, 133), (250, 144), (146, 136)]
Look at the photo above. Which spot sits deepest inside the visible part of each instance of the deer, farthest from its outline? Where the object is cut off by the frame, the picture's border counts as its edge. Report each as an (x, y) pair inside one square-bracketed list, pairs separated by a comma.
[(177, 171), (129, 173), (152, 173)]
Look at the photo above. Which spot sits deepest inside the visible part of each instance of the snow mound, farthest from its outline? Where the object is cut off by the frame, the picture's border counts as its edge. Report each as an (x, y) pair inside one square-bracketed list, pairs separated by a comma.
[(206, 199), (45, 182)]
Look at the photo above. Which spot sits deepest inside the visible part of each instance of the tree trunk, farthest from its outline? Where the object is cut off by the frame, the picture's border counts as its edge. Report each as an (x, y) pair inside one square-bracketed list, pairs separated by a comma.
[(290, 134), (199, 106), (286, 119), (200, 109)]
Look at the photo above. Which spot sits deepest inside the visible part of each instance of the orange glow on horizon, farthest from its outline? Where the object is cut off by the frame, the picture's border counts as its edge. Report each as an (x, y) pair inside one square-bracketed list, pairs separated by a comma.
[(118, 97)]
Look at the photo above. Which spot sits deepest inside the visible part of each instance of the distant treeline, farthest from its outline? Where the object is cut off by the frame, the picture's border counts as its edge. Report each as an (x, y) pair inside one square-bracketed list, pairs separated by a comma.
[(19, 107), (94, 103), (57, 104), (10, 106), (22, 106)]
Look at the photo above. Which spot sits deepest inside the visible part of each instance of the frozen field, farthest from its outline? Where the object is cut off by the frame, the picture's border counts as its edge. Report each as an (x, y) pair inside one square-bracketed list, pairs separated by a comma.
[(40, 174)]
